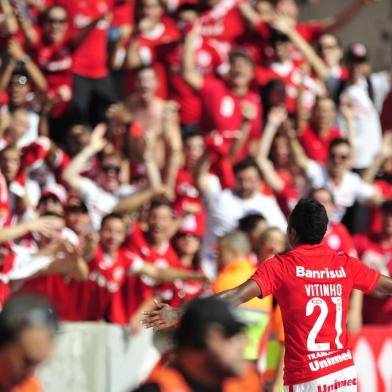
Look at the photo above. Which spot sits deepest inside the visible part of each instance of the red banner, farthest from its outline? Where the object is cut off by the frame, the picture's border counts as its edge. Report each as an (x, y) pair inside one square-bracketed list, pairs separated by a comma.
[(372, 349)]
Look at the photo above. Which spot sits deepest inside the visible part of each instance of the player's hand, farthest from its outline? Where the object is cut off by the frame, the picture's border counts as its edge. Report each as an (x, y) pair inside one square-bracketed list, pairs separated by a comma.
[(163, 316)]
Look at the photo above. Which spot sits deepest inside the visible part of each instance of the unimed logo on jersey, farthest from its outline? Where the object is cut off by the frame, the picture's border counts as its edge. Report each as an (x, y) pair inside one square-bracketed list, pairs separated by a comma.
[(326, 273), (336, 385)]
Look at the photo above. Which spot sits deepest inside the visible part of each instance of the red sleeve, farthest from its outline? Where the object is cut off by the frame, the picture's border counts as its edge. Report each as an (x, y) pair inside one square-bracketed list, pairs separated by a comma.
[(364, 278), (269, 276)]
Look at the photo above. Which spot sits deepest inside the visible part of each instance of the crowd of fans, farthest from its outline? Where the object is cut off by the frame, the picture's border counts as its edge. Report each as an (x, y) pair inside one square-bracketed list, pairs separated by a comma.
[(156, 147)]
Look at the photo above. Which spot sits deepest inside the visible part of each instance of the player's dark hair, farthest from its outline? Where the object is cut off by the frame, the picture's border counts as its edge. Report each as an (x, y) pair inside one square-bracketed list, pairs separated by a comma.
[(249, 222), (337, 142), (23, 310), (110, 216), (246, 164), (309, 219)]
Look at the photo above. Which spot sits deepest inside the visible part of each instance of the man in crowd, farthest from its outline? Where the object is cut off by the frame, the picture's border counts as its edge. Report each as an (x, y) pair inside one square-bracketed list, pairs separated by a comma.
[(225, 207), (347, 187)]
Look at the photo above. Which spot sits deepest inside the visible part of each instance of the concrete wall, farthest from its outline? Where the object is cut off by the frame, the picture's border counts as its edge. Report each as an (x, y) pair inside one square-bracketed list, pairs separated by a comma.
[(373, 26)]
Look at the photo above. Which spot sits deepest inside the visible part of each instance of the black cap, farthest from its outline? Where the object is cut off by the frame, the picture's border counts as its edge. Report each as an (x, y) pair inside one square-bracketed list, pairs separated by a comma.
[(357, 53), (201, 314)]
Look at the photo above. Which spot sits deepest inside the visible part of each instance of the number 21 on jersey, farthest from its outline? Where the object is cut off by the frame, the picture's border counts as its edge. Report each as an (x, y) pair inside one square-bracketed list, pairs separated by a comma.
[(318, 302)]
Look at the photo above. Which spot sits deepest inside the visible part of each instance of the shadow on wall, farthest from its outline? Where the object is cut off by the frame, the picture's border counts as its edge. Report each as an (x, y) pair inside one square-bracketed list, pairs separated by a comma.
[(372, 26)]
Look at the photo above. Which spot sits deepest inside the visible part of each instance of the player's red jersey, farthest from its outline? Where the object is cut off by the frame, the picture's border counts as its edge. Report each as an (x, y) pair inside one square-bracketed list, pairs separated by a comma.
[(377, 308), (222, 112), (313, 285)]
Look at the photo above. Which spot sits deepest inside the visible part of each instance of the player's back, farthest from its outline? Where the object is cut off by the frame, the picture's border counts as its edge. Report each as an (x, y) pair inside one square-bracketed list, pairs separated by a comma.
[(313, 285)]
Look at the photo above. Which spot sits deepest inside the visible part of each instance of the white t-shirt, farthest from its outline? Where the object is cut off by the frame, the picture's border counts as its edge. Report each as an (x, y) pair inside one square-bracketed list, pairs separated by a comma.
[(351, 189), (368, 132), (224, 210), (99, 202)]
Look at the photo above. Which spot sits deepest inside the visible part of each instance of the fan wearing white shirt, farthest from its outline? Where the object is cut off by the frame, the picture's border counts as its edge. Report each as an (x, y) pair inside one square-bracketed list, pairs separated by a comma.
[(346, 187), (102, 195), (225, 207)]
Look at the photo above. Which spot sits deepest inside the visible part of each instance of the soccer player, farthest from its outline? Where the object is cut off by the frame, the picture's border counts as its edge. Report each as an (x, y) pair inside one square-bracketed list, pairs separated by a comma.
[(312, 285)]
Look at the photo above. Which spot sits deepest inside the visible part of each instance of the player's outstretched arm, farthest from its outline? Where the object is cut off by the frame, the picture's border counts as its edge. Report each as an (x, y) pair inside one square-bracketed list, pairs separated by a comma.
[(384, 285), (164, 316)]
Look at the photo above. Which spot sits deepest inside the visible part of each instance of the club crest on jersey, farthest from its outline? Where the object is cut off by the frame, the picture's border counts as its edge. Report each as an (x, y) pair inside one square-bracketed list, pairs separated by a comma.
[(326, 273)]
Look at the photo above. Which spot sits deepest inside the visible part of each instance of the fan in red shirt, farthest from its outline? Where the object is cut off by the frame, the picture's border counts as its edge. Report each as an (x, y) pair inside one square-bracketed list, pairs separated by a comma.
[(283, 65), (90, 63), (153, 28), (154, 247), (187, 196), (311, 30), (209, 54), (53, 50), (187, 244), (375, 251), (230, 108), (312, 285), (318, 134)]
